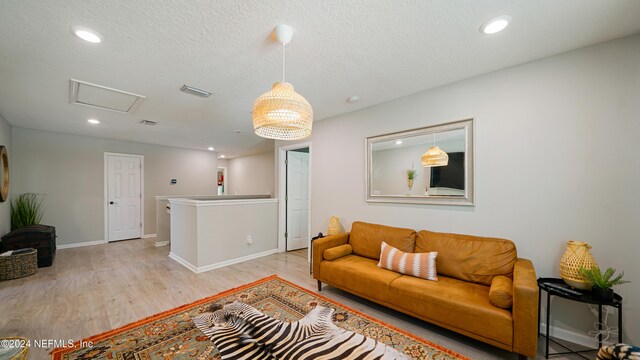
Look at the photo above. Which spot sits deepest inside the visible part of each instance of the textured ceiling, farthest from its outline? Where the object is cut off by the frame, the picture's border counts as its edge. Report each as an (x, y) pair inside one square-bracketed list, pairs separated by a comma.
[(379, 50)]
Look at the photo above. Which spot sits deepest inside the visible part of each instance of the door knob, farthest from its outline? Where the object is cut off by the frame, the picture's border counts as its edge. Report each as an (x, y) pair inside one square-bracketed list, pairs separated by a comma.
[(111, 203)]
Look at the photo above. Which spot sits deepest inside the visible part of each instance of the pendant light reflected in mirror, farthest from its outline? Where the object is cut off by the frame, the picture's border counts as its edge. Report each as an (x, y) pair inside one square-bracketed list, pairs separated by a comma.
[(434, 156)]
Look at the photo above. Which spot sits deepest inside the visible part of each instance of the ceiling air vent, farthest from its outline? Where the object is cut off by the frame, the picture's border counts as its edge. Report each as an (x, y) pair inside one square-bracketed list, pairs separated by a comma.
[(87, 94), (195, 91), (148, 122)]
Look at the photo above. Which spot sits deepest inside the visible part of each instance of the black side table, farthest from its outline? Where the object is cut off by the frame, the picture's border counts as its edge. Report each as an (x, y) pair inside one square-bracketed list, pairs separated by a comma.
[(584, 297), (319, 236)]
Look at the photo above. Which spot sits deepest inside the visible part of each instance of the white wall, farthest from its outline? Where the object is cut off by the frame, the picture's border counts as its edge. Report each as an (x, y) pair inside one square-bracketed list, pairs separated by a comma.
[(251, 175), (69, 169), (5, 207), (555, 156)]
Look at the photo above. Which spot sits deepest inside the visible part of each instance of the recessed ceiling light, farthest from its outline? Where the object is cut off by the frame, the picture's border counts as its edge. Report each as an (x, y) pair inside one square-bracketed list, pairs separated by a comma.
[(221, 156), (495, 24), (210, 148), (93, 121), (87, 34), (353, 99), (398, 142)]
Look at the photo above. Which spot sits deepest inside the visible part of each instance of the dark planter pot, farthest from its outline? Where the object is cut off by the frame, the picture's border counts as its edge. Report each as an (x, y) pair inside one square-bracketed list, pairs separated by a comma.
[(601, 294)]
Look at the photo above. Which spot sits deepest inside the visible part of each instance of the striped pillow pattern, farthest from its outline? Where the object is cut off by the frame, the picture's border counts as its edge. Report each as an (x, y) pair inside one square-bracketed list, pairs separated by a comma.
[(422, 265)]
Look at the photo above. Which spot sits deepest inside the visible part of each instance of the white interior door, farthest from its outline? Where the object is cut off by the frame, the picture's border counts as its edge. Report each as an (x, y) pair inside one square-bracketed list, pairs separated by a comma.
[(297, 199), (124, 197)]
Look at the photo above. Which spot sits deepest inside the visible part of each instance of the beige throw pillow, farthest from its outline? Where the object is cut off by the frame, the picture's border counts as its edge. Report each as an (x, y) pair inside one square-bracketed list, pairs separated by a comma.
[(422, 265)]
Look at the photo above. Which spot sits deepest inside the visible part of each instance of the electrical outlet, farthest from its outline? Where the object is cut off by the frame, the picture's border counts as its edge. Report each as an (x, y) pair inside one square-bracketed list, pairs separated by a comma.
[(249, 240)]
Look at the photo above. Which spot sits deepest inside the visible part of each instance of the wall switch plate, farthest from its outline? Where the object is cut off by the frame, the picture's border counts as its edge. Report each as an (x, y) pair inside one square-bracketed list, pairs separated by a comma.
[(249, 240)]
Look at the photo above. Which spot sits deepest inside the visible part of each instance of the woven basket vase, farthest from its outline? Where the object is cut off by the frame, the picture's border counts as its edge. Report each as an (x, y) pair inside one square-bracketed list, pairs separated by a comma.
[(334, 226), (576, 256)]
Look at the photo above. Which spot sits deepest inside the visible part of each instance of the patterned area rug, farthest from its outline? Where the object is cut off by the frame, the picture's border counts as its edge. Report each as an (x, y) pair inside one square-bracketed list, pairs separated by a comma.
[(172, 334)]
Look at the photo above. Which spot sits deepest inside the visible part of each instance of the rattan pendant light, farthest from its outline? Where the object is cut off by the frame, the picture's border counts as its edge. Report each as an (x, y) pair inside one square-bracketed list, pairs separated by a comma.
[(434, 156), (282, 113)]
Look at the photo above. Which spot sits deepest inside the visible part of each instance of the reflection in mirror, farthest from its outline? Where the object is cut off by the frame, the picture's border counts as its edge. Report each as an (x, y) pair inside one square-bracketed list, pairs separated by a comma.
[(4, 174), (396, 172), (222, 180)]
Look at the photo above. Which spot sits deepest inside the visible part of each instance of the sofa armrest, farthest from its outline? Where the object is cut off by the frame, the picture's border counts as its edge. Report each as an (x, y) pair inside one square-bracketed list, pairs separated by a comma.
[(525, 308), (320, 245)]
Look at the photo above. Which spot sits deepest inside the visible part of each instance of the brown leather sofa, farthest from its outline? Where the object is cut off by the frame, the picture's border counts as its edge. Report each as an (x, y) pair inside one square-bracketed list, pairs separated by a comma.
[(458, 301)]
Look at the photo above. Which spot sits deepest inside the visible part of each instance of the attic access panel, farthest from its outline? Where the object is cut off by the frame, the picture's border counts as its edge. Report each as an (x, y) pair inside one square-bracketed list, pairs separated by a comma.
[(87, 94)]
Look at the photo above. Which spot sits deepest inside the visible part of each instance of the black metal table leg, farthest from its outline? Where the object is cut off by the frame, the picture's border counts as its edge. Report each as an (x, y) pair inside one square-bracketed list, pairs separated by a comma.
[(546, 353), (599, 326), (620, 324)]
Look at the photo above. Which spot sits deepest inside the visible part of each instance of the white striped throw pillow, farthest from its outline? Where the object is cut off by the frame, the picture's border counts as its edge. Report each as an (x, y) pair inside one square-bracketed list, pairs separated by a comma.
[(422, 265)]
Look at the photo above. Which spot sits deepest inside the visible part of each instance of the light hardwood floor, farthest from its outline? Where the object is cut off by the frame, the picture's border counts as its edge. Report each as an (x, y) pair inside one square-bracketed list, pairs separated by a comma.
[(93, 289)]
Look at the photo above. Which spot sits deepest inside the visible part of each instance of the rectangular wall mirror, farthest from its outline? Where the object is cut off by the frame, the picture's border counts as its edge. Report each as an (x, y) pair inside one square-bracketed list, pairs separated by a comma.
[(390, 157)]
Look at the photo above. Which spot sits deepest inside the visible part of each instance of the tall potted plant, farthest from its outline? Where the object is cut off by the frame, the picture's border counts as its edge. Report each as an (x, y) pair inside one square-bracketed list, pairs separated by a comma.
[(26, 230), (26, 209), (602, 283)]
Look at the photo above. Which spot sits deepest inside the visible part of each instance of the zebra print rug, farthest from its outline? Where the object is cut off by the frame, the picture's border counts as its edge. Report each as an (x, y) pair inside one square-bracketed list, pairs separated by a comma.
[(173, 335), (242, 332)]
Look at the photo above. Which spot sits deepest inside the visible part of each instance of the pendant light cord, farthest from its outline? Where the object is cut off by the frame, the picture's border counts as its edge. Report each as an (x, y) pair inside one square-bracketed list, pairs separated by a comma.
[(283, 57)]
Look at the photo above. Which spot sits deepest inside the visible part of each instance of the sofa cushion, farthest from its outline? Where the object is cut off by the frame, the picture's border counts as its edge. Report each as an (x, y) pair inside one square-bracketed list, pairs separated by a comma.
[(501, 292), (337, 252), (470, 258), (422, 265), (359, 274), (366, 239), (457, 303)]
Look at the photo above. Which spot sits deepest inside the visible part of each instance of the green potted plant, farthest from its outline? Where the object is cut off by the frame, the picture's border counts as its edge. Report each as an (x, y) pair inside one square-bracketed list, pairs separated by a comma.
[(411, 174), (26, 230), (602, 283), (26, 209)]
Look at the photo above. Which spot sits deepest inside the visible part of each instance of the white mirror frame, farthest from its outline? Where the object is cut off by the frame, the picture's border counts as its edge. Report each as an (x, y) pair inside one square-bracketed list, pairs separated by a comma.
[(466, 200)]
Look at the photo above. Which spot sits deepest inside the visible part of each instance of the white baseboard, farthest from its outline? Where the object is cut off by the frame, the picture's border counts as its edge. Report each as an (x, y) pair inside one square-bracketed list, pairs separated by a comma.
[(75, 245), (97, 242), (568, 335), (161, 243), (236, 260), (217, 265), (183, 262)]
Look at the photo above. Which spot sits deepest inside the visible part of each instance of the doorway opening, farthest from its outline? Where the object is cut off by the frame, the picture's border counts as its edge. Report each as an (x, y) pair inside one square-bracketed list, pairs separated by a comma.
[(123, 196), (222, 180), (295, 191)]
